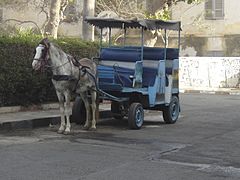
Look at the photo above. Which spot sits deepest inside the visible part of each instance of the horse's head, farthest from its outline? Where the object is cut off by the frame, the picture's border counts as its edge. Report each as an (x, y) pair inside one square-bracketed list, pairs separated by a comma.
[(41, 56)]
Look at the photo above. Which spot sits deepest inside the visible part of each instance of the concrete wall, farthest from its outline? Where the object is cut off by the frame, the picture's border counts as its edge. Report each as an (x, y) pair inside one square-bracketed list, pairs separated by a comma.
[(209, 72), (31, 13)]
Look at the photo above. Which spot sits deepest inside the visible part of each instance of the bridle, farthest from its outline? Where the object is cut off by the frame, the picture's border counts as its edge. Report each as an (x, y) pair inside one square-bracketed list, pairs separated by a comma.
[(44, 59)]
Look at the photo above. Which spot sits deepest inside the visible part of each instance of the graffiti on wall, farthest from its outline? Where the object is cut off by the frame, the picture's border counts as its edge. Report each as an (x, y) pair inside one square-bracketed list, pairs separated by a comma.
[(209, 72)]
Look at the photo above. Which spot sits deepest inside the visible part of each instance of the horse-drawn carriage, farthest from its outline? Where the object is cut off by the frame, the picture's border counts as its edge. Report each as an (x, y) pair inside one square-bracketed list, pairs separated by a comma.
[(135, 78)]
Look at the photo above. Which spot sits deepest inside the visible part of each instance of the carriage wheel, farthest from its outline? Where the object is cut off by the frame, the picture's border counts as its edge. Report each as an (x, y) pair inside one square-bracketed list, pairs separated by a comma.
[(78, 111), (135, 116), (171, 112), (116, 111)]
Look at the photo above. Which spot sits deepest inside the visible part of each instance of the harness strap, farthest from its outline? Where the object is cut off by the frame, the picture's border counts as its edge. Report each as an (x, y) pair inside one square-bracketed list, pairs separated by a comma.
[(84, 70), (63, 78)]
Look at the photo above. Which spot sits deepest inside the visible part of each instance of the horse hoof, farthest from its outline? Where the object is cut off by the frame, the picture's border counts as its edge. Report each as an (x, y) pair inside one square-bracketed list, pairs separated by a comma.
[(67, 132), (60, 131), (85, 128), (92, 129)]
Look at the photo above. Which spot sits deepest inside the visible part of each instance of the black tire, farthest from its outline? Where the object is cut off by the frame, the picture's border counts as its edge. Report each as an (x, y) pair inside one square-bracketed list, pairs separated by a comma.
[(135, 116), (171, 112), (78, 111), (115, 110)]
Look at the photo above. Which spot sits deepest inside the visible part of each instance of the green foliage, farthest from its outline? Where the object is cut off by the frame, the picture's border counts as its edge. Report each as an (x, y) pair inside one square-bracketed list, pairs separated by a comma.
[(24, 32), (19, 84), (194, 1), (163, 14)]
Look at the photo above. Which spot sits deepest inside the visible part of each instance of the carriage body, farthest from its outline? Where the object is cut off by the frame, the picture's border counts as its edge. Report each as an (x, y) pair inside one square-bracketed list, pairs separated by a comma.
[(119, 67), (134, 78)]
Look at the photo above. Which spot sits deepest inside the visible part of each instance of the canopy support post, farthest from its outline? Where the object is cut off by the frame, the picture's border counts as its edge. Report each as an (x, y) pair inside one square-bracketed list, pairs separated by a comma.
[(125, 36), (165, 44), (101, 38), (179, 40), (109, 37), (142, 43)]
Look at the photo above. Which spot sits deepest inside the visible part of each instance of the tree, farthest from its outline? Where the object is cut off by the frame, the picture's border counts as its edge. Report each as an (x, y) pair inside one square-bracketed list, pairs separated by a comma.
[(54, 17), (51, 27), (135, 8), (88, 10), (53, 9), (151, 9)]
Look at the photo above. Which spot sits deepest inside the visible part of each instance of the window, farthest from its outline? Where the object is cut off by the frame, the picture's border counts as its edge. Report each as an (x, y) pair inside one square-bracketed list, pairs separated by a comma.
[(214, 9)]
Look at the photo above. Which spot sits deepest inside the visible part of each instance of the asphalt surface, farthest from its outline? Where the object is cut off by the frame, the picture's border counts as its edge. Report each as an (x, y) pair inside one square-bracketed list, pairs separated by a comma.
[(204, 144)]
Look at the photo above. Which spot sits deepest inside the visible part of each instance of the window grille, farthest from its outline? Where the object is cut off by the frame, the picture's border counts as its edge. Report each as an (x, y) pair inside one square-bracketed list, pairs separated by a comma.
[(214, 9)]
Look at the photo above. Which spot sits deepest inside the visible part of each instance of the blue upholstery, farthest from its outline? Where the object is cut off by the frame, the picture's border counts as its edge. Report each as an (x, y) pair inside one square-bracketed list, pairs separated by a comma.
[(155, 53), (133, 53), (106, 74), (114, 75), (149, 75), (122, 76), (120, 54)]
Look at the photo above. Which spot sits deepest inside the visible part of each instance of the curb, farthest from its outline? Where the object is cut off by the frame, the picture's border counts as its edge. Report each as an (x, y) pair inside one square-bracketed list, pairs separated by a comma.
[(13, 109), (29, 124), (210, 92), (40, 122)]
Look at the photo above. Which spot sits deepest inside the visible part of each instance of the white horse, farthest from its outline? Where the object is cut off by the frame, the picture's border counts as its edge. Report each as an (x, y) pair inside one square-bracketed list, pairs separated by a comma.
[(69, 76)]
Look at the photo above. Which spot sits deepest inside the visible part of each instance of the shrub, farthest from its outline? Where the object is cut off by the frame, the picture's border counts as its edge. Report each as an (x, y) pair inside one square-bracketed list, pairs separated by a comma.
[(19, 84)]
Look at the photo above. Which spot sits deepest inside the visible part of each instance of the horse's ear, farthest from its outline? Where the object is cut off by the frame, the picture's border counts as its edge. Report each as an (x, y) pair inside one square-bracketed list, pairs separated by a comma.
[(45, 42)]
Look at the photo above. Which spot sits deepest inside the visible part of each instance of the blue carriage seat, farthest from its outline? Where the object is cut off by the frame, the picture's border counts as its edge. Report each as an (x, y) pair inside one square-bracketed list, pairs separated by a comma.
[(120, 54), (117, 66)]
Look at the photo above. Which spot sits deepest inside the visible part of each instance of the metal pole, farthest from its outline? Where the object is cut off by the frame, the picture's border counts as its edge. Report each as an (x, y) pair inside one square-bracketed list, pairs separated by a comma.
[(142, 38), (101, 32), (179, 38), (125, 36), (165, 44), (109, 37)]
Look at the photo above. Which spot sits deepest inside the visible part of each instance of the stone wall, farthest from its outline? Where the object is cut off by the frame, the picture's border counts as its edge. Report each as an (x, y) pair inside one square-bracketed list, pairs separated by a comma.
[(209, 72)]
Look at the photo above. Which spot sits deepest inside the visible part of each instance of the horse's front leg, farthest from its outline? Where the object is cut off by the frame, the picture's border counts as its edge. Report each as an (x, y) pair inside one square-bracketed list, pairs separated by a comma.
[(61, 106), (93, 105), (68, 111)]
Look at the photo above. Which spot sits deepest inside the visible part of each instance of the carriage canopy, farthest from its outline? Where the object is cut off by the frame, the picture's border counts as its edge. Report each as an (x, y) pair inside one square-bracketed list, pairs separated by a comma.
[(147, 24)]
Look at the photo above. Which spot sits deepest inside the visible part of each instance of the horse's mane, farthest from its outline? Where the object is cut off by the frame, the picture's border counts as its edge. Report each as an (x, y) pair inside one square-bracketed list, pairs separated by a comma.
[(48, 44)]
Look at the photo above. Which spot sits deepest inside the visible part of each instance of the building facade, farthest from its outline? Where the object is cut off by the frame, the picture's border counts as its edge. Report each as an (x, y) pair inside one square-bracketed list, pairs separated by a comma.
[(210, 28)]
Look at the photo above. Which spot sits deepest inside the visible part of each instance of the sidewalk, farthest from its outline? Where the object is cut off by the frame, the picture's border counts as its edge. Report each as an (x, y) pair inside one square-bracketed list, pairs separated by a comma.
[(13, 119)]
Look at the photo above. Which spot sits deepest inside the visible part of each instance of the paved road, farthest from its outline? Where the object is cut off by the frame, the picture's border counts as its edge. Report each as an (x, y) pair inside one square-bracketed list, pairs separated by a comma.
[(203, 144)]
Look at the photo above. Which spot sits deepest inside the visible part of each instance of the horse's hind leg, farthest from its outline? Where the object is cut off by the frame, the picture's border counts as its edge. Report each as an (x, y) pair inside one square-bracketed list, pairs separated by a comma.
[(61, 106), (93, 105), (67, 112), (87, 106)]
